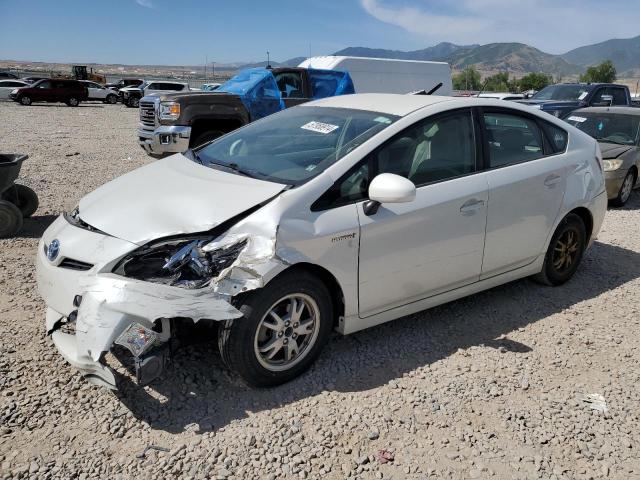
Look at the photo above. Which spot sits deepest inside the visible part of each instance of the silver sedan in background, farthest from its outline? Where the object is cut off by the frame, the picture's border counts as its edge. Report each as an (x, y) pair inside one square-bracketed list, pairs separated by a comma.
[(341, 214)]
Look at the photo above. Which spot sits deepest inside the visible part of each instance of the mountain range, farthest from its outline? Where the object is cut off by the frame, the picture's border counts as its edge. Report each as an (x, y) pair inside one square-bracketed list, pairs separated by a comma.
[(518, 58)]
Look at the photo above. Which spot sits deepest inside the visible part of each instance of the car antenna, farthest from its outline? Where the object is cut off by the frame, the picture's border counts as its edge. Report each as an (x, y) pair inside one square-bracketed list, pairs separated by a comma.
[(269, 62), (484, 85)]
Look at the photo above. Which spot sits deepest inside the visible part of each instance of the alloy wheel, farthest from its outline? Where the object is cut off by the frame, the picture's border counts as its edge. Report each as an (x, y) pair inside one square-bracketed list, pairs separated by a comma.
[(627, 186), (287, 332), (566, 250)]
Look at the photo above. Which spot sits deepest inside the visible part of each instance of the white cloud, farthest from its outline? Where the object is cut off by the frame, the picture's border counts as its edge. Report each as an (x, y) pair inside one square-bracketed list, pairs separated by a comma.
[(550, 25), (145, 3)]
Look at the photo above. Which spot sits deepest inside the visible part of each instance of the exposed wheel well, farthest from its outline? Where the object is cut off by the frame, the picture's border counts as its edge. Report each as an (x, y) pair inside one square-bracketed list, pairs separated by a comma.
[(201, 126), (585, 215), (635, 172), (337, 296)]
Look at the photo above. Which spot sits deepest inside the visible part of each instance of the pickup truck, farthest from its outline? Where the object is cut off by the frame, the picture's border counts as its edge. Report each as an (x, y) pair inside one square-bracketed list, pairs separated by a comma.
[(131, 96), (563, 98), (175, 122)]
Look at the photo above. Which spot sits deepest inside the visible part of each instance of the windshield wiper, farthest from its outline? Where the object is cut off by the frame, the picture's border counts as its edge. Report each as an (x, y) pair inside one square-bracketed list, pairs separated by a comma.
[(606, 140), (191, 155), (235, 168)]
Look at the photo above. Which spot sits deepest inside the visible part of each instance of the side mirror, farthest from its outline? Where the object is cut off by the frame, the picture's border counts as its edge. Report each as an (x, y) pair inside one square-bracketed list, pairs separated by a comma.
[(389, 188)]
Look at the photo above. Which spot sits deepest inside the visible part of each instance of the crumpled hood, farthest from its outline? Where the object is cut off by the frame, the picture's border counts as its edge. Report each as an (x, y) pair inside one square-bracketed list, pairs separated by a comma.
[(613, 150), (170, 197)]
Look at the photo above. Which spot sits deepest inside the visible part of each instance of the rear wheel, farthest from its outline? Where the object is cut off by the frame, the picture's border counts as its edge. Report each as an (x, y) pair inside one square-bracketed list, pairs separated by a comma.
[(625, 189), (112, 99), (10, 219), (73, 102), (22, 197), (284, 327), (25, 100), (565, 252)]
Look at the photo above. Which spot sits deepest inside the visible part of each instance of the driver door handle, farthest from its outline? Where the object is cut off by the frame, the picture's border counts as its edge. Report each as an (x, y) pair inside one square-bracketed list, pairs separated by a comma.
[(470, 206)]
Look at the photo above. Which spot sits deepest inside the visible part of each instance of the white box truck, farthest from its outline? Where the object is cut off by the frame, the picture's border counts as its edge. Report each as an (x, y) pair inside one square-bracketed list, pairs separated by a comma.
[(385, 75)]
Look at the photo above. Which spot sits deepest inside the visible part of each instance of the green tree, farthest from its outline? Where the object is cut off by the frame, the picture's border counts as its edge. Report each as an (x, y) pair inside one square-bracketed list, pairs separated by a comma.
[(603, 73), (534, 81), (468, 79), (497, 83)]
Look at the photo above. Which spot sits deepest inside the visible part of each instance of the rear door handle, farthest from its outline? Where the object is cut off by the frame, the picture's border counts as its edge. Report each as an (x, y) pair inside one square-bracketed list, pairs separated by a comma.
[(552, 180), (470, 206)]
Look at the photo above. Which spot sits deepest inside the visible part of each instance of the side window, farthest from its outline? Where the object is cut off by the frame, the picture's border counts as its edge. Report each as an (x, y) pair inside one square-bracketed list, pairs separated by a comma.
[(512, 139), (431, 150), (619, 96), (153, 86), (290, 84), (557, 137)]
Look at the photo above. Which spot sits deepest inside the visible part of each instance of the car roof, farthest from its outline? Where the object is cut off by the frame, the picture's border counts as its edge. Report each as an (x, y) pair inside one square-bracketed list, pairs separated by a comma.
[(618, 110), (389, 103)]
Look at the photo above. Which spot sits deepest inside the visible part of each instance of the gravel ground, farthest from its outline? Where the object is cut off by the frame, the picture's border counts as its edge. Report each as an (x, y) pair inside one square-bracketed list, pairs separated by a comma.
[(488, 386)]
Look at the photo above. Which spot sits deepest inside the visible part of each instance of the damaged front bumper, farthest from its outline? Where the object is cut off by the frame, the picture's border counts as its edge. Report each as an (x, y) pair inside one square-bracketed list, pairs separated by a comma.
[(101, 306)]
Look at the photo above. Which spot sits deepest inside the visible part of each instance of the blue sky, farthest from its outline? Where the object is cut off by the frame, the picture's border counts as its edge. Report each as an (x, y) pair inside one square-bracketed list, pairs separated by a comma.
[(184, 32)]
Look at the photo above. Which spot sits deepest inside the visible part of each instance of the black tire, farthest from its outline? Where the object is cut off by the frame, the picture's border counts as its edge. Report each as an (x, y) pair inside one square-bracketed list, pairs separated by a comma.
[(206, 137), (25, 100), (22, 197), (569, 240), (625, 190), (73, 101), (10, 219), (238, 339), (111, 99), (133, 102)]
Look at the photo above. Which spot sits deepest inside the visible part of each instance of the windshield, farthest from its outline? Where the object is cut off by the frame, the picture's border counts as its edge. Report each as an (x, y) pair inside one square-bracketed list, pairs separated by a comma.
[(562, 92), (294, 146), (608, 127)]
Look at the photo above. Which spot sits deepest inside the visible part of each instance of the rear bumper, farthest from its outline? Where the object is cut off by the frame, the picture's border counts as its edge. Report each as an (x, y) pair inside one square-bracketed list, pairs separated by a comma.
[(164, 139)]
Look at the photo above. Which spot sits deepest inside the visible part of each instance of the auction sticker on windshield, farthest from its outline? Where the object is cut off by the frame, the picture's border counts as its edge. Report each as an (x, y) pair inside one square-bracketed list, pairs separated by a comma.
[(577, 119), (319, 127)]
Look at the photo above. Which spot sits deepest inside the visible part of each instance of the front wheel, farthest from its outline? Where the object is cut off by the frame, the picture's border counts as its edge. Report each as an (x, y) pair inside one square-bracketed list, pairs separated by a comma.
[(73, 102), (112, 99), (625, 189), (284, 327), (25, 100), (565, 252)]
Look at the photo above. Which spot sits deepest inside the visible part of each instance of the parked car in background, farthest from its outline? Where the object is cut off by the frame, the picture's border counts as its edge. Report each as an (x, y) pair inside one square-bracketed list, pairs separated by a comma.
[(7, 86), (7, 75), (563, 98), (71, 92), (125, 82), (33, 79), (617, 130), (98, 92), (342, 213), (502, 96), (131, 95)]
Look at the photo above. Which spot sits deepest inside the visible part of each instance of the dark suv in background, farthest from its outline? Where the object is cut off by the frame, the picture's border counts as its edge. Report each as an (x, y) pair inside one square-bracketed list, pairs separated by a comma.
[(71, 92)]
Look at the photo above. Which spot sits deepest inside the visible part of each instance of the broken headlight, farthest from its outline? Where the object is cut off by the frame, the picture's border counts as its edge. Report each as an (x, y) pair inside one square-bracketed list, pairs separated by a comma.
[(181, 263)]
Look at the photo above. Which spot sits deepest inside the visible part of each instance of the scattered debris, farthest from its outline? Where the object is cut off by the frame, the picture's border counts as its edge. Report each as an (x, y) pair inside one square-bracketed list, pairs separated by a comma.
[(385, 456), (151, 447), (71, 154), (595, 401)]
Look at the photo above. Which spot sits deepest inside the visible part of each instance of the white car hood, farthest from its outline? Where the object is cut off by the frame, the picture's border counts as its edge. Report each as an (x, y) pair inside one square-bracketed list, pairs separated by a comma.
[(170, 197)]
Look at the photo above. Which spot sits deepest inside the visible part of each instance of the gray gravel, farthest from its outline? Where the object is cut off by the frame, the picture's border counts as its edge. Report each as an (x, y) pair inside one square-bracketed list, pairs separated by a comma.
[(488, 386)]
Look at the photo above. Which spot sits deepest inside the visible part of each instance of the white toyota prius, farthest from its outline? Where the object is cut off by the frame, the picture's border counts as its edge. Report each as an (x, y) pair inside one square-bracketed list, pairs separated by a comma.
[(341, 214)]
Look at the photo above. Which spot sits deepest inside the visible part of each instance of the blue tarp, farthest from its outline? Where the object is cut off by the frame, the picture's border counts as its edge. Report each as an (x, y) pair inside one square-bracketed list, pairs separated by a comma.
[(258, 90), (330, 83)]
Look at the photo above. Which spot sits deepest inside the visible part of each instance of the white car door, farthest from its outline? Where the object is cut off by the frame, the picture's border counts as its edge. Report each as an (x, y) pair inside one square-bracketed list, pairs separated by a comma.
[(527, 181), (410, 251), (97, 92), (7, 86)]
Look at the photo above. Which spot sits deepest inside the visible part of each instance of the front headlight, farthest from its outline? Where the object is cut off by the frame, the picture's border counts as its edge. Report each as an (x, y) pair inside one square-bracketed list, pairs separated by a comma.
[(169, 110), (610, 165), (185, 263)]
